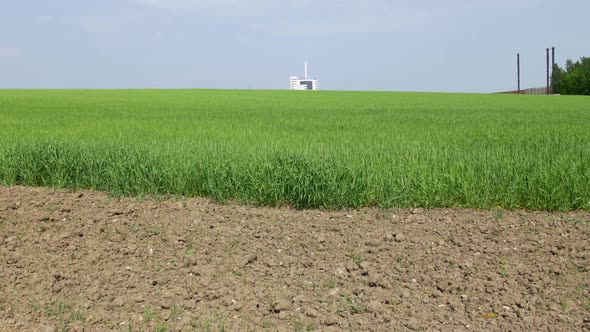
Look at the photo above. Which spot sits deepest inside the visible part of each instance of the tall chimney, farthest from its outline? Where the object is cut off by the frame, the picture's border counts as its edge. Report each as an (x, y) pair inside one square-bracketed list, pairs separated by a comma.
[(552, 64), (518, 70), (305, 75), (548, 71)]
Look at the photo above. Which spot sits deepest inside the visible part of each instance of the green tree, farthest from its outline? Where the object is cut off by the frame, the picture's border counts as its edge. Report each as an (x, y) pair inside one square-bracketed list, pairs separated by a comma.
[(574, 79), (557, 79)]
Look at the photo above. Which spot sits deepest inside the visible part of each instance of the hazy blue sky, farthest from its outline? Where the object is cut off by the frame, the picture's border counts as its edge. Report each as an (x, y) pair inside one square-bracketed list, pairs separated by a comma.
[(409, 45)]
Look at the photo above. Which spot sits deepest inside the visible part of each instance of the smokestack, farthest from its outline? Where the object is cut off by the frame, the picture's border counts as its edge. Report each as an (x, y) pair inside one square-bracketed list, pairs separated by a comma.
[(305, 75), (552, 63), (547, 71), (518, 70)]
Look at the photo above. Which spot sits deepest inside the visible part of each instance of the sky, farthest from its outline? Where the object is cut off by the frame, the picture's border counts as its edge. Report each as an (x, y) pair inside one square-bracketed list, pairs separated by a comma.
[(395, 45)]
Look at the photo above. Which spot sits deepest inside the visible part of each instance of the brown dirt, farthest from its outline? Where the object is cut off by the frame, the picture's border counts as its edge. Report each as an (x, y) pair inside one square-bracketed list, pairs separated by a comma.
[(85, 261)]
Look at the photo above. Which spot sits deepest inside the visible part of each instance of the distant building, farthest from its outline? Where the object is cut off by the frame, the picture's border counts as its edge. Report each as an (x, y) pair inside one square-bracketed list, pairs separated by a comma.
[(305, 83)]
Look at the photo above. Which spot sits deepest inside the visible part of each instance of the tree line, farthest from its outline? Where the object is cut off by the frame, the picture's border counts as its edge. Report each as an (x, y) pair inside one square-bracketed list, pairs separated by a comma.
[(574, 79)]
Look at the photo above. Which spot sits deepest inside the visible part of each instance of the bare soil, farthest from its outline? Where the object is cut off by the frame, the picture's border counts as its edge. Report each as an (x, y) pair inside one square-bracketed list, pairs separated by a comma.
[(84, 261)]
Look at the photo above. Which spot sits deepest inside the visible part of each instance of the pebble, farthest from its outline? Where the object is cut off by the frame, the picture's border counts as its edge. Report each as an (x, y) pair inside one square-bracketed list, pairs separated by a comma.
[(376, 307), (455, 304), (45, 328), (118, 302), (364, 265), (335, 292), (412, 324), (399, 237), (341, 271), (300, 299), (114, 212), (11, 261), (227, 301), (311, 312), (282, 305), (11, 243), (331, 320), (405, 293)]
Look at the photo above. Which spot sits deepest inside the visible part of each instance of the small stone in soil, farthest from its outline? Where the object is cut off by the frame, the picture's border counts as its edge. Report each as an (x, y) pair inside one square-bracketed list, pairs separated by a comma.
[(399, 237), (335, 292), (311, 312), (282, 306)]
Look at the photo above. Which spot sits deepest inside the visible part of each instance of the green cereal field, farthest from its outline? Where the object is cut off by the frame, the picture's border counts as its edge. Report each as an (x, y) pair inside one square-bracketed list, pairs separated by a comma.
[(303, 149)]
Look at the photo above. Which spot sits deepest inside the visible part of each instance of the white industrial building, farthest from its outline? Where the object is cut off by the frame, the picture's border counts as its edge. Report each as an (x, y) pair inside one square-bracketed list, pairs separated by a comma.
[(305, 83)]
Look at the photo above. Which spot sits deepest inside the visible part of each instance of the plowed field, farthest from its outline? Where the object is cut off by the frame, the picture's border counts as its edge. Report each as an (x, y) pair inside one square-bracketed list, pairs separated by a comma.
[(81, 260)]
